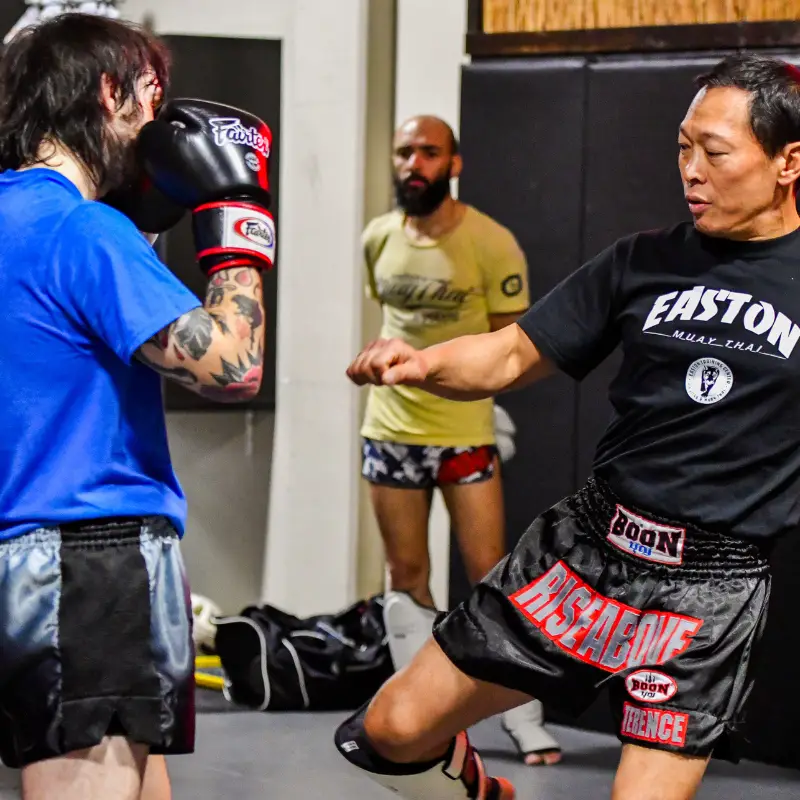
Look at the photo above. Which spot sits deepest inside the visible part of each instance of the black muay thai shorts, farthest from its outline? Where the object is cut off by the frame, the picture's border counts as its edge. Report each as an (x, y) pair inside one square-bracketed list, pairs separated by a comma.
[(597, 593), (95, 640)]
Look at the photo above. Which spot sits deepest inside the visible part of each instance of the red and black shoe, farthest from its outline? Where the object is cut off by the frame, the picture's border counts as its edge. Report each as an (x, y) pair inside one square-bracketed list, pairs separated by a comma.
[(500, 789), (466, 762)]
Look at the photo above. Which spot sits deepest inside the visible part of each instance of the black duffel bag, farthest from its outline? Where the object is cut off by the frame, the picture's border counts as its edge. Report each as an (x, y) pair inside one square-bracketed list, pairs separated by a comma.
[(275, 661)]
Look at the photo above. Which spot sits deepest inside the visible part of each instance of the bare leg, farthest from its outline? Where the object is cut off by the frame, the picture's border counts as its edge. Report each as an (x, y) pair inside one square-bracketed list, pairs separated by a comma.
[(156, 785), (418, 711), (111, 771), (645, 774), (402, 516), (476, 510), (411, 739)]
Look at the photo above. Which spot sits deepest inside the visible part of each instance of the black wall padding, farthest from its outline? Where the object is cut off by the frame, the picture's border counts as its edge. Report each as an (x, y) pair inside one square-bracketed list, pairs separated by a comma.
[(521, 142), (635, 107), (572, 154)]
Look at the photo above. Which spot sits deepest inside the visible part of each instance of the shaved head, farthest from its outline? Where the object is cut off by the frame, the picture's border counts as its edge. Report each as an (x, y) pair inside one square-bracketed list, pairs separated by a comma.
[(429, 126)]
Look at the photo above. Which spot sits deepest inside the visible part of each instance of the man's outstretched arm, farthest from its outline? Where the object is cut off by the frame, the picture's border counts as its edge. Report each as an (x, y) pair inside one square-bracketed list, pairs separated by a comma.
[(466, 368)]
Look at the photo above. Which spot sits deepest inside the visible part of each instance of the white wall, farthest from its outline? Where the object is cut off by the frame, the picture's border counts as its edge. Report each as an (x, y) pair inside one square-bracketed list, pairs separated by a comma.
[(265, 19), (378, 198), (311, 559), (223, 461), (430, 52)]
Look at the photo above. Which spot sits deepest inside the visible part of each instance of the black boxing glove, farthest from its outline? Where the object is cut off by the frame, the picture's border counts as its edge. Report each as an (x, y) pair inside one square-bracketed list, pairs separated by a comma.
[(214, 159), (145, 206)]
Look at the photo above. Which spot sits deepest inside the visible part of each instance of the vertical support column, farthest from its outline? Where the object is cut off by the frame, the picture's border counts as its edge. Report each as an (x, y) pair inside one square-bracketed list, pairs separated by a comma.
[(430, 53), (311, 552), (378, 199)]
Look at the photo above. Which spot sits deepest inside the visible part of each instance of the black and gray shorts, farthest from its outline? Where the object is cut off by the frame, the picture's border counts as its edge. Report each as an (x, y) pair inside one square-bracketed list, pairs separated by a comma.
[(95, 640), (599, 592)]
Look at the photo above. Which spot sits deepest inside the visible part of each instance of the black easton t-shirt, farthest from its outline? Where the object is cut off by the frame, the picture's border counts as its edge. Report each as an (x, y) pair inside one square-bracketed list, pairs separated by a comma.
[(706, 423)]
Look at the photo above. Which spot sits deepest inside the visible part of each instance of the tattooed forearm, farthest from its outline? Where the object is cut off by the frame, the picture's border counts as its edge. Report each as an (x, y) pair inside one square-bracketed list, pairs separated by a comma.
[(179, 374), (220, 321), (218, 289), (242, 372), (194, 332), (217, 350), (238, 379), (251, 311)]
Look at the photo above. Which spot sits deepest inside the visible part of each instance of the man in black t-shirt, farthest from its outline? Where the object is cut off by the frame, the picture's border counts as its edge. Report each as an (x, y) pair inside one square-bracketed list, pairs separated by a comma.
[(653, 577)]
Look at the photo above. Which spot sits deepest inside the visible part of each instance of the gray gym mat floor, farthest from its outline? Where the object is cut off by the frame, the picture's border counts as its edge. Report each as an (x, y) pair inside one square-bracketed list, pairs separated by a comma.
[(252, 756)]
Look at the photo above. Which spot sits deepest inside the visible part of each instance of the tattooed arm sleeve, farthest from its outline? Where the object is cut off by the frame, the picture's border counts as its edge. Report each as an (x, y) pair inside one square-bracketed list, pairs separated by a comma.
[(216, 351)]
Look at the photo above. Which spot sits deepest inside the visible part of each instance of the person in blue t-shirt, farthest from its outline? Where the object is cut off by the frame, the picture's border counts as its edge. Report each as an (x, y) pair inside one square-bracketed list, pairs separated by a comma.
[(96, 656)]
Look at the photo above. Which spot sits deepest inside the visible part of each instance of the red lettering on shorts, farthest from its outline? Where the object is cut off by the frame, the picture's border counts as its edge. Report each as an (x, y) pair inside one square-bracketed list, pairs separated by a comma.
[(654, 725), (600, 631)]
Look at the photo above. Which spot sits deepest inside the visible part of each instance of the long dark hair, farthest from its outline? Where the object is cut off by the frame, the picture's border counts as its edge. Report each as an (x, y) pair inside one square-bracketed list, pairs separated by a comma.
[(50, 86)]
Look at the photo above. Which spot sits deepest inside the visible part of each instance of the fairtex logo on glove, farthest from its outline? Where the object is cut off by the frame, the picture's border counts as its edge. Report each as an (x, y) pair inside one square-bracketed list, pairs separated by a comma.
[(246, 228), (229, 130), (255, 230)]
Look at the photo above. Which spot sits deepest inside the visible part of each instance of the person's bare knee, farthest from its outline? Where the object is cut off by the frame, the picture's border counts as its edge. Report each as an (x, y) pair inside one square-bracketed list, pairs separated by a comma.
[(417, 712), (646, 774), (394, 724), (112, 770)]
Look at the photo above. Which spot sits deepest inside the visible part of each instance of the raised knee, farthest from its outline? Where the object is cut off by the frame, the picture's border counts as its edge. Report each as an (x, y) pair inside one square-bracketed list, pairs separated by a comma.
[(394, 725)]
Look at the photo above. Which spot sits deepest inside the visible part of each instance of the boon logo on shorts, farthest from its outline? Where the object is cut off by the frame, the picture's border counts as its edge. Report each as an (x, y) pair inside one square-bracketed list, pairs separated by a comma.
[(708, 380), (646, 539), (651, 687), (654, 725)]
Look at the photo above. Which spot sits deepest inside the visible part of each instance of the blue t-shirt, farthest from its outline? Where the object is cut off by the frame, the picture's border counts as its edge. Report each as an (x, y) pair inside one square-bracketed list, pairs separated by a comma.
[(82, 428)]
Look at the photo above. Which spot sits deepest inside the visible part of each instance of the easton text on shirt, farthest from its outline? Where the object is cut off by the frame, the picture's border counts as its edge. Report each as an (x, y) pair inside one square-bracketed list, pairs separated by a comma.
[(702, 304)]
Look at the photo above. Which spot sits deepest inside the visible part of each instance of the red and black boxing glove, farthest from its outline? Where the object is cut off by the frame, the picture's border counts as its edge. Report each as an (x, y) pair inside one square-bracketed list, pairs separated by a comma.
[(214, 159), (145, 206)]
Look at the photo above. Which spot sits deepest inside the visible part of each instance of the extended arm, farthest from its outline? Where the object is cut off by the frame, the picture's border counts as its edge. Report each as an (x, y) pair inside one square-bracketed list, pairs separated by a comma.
[(498, 321), (574, 327), (466, 368)]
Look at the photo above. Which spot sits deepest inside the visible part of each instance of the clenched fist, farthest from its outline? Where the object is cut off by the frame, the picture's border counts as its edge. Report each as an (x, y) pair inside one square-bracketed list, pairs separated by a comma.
[(388, 362)]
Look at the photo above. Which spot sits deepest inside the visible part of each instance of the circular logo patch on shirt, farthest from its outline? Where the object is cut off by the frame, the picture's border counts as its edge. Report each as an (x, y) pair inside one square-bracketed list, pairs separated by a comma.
[(512, 285), (708, 380)]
